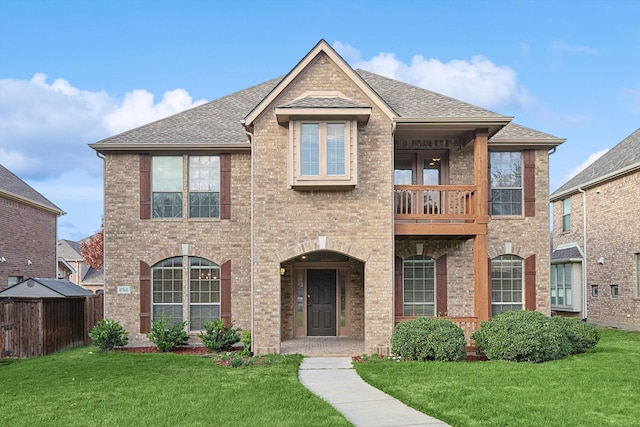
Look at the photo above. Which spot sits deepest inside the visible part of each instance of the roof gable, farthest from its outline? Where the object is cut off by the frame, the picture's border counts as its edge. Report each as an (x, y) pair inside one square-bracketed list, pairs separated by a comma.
[(621, 159), (321, 47), (45, 288)]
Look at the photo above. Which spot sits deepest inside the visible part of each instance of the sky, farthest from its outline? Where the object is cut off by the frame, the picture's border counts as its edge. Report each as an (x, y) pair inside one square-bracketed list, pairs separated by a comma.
[(75, 72)]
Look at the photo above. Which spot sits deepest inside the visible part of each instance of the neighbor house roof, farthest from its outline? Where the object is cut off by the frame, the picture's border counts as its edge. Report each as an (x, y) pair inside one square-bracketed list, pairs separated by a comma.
[(620, 160), (13, 187), (45, 288), (566, 253), (217, 124), (70, 251)]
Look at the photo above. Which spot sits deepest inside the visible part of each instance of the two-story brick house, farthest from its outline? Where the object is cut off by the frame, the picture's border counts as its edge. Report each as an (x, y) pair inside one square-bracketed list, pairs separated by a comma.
[(28, 231), (595, 264), (329, 202)]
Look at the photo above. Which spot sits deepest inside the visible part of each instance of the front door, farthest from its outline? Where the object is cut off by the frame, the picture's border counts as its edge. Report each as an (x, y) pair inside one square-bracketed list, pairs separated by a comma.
[(321, 303)]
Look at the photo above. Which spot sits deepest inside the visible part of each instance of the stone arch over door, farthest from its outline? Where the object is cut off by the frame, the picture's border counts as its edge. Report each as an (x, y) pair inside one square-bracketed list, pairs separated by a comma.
[(342, 246)]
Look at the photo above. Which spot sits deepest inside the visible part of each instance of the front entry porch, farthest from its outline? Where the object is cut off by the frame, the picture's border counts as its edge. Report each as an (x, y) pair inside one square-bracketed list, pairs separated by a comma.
[(323, 346)]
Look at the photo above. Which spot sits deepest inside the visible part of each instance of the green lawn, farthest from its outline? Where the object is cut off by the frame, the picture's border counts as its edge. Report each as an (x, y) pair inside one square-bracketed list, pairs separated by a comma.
[(598, 388), (83, 387)]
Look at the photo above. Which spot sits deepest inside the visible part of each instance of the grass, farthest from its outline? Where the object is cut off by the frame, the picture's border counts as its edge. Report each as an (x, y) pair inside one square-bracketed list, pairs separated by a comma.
[(83, 387), (598, 388)]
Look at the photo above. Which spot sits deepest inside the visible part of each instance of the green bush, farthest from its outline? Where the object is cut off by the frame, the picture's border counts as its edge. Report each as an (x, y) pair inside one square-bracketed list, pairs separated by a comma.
[(217, 336), (107, 334), (246, 343), (522, 336), (427, 338), (166, 337), (582, 336)]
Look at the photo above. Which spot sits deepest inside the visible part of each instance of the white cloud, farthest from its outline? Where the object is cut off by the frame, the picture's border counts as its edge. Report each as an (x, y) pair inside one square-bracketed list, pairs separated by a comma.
[(46, 126), (582, 166), (478, 80)]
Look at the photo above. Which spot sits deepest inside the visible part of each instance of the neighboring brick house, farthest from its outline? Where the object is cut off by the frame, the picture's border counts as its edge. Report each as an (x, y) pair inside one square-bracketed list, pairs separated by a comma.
[(73, 267), (28, 231), (329, 202), (596, 217)]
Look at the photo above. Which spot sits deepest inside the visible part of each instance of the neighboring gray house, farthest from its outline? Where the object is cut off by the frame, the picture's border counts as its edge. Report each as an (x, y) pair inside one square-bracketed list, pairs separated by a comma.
[(75, 269), (595, 264)]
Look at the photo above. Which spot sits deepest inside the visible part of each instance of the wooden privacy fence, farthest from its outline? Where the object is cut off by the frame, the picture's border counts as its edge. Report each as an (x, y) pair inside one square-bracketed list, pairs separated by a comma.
[(39, 326)]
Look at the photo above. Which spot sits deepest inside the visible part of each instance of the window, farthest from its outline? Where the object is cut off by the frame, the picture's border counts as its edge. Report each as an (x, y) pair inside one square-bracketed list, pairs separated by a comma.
[(204, 187), (419, 286), (615, 291), (323, 154), (506, 183), (166, 186), (566, 214), (200, 302), (594, 291), (507, 279), (561, 284), (13, 280)]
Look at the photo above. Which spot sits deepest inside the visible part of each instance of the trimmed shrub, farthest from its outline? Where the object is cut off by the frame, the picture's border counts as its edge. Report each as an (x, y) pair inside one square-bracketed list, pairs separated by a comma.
[(582, 336), (246, 343), (522, 336), (218, 337), (108, 334), (427, 338), (165, 337)]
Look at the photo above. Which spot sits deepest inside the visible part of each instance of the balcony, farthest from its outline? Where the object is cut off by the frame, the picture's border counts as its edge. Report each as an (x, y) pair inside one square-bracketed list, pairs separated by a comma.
[(440, 211)]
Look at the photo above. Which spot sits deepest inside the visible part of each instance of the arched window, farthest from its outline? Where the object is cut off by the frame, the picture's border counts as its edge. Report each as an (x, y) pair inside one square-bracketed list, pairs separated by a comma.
[(419, 286), (507, 283), (196, 300)]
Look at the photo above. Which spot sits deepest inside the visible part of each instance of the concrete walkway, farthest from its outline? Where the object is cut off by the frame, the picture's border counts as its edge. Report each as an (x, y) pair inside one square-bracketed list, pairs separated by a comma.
[(335, 380)]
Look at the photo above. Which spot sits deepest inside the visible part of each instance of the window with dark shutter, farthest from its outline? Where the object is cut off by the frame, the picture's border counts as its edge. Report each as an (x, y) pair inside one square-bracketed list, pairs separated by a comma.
[(145, 298), (225, 186), (529, 182), (441, 286), (145, 186), (530, 283), (225, 292)]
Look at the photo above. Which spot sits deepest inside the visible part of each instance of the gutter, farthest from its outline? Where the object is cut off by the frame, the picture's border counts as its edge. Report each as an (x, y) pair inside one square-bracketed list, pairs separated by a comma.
[(250, 136), (584, 243), (173, 147), (592, 183), (104, 237)]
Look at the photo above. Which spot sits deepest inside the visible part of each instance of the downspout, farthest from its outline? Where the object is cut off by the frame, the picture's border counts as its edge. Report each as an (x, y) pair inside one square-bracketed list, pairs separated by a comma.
[(584, 244), (104, 238), (250, 136)]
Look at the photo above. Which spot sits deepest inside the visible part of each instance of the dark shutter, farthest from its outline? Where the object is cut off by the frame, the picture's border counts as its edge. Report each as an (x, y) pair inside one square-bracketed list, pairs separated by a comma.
[(145, 186), (530, 283), (225, 292), (441, 286), (145, 298), (398, 288), (529, 182), (225, 186)]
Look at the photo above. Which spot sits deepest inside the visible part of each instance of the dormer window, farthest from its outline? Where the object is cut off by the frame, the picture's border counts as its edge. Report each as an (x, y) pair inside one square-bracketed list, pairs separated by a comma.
[(323, 140)]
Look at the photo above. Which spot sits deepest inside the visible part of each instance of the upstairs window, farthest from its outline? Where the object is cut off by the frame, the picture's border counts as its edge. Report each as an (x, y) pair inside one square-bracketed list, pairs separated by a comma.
[(506, 183), (561, 284), (204, 187), (166, 186), (323, 154), (566, 214)]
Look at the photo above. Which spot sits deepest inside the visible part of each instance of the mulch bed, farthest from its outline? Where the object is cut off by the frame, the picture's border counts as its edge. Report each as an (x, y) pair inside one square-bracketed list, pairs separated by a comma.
[(191, 350)]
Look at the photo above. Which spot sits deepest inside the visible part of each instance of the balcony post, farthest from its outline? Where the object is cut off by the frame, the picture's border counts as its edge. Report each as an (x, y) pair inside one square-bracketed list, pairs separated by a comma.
[(480, 242)]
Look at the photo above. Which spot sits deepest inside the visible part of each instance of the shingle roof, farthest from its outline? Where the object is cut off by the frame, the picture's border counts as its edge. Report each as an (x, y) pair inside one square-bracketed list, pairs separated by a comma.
[(218, 121), (319, 102), (566, 253), (11, 184), (624, 155), (93, 276), (411, 101), (69, 251), (47, 288)]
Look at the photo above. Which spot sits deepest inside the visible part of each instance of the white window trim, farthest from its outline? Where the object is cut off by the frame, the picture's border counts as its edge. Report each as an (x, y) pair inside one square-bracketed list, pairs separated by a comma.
[(521, 187), (349, 179)]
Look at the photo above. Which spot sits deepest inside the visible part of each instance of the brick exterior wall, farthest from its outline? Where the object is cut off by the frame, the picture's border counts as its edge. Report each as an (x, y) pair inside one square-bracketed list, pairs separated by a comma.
[(26, 233), (613, 233), (289, 223), (129, 240)]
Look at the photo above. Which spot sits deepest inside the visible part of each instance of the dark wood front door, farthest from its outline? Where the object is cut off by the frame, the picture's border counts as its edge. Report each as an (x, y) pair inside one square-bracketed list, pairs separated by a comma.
[(321, 303)]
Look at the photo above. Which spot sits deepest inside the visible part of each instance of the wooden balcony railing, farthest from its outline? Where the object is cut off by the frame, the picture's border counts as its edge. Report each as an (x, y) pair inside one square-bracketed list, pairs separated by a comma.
[(468, 325), (435, 202)]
